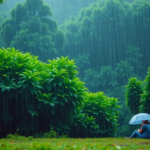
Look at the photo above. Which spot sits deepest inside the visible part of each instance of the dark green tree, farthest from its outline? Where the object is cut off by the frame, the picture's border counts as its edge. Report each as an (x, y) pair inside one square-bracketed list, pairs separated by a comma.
[(3, 16), (1, 1), (8, 5), (133, 94), (100, 31), (64, 9), (31, 29), (145, 96), (134, 58)]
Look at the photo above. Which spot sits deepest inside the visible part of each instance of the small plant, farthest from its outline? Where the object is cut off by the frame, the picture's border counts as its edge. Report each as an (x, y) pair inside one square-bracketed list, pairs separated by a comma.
[(10, 136), (30, 138), (51, 134), (38, 135), (64, 136), (20, 137), (16, 137), (17, 131)]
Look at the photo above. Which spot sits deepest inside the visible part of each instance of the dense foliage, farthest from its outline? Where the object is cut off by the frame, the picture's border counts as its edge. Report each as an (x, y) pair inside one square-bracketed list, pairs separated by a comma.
[(108, 42), (97, 117), (1, 1), (100, 31), (37, 97), (138, 95), (145, 97), (8, 6), (65, 9), (133, 94), (32, 30), (3, 16)]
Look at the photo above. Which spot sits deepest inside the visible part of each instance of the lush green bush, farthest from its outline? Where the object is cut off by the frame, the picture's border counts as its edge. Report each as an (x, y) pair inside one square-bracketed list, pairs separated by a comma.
[(97, 117), (133, 94), (138, 95), (51, 134), (35, 96), (18, 137)]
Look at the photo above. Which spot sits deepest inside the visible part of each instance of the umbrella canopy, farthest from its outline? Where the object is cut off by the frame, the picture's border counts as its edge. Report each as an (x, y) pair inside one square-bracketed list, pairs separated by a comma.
[(138, 118)]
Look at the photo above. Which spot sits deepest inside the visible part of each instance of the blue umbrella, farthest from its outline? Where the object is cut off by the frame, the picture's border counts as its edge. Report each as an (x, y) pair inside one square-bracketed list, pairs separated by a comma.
[(138, 118)]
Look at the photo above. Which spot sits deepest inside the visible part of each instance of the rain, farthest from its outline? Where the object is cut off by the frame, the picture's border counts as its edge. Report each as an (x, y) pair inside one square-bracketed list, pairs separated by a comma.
[(77, 67)]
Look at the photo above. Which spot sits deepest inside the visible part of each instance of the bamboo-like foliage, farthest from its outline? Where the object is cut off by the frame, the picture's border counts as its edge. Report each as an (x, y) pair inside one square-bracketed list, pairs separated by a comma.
[(100, 32), (133, 94), (30, 29), (145, 97), (138, 95), (35, 96)]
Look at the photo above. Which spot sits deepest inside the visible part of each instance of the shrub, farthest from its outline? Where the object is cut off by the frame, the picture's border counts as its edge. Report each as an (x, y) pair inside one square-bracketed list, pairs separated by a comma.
[(30, 138), (51, 134), (133, 94), (36, 95), (10, 136), (97, 117)]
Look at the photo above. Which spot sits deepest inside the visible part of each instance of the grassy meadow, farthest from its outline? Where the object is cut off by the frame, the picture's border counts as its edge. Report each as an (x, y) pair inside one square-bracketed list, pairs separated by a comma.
[(30, 143)]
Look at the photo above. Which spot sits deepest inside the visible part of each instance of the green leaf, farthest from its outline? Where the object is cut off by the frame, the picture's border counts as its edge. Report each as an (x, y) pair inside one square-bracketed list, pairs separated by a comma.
[(52, 104), (33, 113), (62, 103), (60, 83), (7, 84)]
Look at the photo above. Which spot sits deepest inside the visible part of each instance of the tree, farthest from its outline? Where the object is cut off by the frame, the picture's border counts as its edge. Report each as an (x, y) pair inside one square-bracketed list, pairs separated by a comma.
[(3, 15), (100, 31), (97, 26), (134, 58), (145, 96), (64, 9), (133, 94), (8, 6), (31, 29), (1, 1)]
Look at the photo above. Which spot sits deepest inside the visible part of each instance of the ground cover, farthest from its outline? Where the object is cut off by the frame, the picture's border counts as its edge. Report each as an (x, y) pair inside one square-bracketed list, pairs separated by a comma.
[(74, 144)]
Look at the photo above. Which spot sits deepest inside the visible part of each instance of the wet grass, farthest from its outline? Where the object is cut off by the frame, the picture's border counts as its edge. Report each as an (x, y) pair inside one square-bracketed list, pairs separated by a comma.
[(75, 144)]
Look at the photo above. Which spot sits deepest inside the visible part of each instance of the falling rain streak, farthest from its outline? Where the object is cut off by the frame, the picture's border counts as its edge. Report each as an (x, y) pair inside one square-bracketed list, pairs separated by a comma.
[(68, 65)]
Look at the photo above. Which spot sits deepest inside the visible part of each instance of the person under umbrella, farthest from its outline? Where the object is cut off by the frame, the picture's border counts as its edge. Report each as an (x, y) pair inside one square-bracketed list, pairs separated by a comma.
[(144, 132), (143, 119)]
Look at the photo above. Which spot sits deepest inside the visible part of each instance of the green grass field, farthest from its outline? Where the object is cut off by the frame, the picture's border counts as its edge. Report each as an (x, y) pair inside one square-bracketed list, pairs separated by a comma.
[(74, 144)]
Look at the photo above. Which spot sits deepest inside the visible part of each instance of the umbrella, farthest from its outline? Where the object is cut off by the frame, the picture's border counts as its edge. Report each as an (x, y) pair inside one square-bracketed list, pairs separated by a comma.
[(138, 118)]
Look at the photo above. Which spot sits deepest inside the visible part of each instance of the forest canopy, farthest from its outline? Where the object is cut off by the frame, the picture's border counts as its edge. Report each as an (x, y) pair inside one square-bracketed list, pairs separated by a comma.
[(32, 30), (1, 1)]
